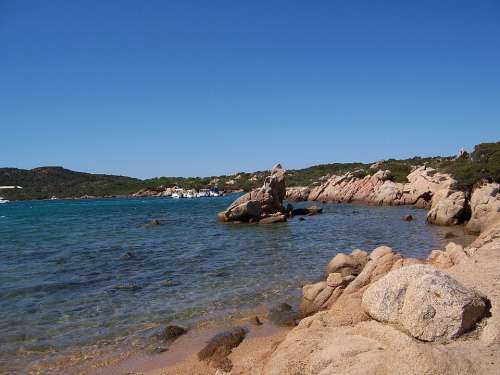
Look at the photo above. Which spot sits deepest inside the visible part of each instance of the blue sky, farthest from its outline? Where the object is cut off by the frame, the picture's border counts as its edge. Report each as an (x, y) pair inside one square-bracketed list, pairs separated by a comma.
[(152, 88)]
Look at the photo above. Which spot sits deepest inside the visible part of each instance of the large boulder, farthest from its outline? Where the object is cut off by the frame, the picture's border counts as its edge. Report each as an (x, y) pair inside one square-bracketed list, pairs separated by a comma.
[(485, 207), (260, 202), (426, 302), (447, 207), (347, 277), (243, 211)]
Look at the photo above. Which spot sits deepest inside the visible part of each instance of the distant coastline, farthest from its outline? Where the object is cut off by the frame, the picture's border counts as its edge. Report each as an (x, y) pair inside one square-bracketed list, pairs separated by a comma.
[(483, 163)]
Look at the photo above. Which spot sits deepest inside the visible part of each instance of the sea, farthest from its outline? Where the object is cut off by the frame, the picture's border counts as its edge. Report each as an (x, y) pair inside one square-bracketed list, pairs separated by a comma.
[(79, 274)]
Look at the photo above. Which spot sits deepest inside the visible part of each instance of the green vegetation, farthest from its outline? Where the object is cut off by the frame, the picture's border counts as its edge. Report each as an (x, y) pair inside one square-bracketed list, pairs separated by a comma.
[(484, 164), (41, 183), (45, 182)]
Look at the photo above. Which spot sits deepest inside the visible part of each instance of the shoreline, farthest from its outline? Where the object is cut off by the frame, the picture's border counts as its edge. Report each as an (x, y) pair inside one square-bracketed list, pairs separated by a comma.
[(303, 348), (181, 354), (140, 357)]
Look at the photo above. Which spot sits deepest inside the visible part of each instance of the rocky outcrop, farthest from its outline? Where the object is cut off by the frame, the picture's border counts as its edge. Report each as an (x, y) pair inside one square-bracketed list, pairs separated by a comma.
[(346, 277), (424, 301), (383, 319), (259, 203), (485, 207), (426, 188), (447, 207), (297, 193), (321, 345), (160, 191)]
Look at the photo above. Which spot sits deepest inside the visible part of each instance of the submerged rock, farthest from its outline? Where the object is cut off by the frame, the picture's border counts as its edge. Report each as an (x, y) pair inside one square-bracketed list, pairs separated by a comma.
[(127, 255), (313, 210), (407, 218), (426, 302), (283, 315), (169, 283), (170, 333), (131, 286)]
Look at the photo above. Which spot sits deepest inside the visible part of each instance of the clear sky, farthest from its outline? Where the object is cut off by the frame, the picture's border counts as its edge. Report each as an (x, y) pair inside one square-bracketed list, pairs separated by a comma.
[(161, 88)]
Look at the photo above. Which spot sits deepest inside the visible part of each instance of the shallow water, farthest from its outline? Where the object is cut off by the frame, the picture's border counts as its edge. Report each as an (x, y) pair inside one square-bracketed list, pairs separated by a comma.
[(82, 272)]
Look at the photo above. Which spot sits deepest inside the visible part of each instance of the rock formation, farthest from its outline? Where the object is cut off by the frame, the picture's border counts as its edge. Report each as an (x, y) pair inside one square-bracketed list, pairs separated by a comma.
[(297, 193), (426, 188), (485, 207), (260, 203), (347, 276), (425, 302), (378, 320), (160, 191)]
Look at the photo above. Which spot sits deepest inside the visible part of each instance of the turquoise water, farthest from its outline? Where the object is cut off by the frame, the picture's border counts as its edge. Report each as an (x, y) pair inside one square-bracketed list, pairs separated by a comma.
[(82, 272)]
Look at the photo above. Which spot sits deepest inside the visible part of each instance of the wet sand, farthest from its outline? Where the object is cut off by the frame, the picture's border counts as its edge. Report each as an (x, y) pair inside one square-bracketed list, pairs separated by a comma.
[(181, 354)]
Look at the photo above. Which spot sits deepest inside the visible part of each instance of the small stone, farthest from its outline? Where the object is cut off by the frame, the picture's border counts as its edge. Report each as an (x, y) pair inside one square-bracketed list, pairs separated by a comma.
[(220, 345), (170, 333), (407, 218)]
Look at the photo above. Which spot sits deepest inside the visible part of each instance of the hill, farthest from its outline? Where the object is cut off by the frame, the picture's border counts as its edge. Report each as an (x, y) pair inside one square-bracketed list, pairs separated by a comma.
[(42, 183), (45, 182)]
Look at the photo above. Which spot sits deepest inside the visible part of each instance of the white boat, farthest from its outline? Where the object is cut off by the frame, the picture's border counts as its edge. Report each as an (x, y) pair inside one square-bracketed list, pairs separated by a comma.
[(215, 192), (176, 195), (2, 200), (189, 194), (203, 193)]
